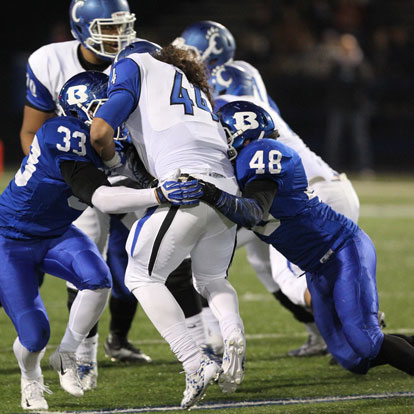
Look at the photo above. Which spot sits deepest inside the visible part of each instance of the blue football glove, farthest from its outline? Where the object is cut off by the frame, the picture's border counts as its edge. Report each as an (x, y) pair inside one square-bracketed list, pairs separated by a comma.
[(184, 193)]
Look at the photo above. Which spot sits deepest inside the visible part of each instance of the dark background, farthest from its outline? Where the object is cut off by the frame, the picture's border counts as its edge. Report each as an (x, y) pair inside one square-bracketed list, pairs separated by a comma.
[(285, 40)]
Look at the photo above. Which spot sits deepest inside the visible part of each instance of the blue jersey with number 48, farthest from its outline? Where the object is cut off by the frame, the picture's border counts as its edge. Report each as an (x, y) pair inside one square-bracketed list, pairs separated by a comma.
[(38, 203), (301, 227)]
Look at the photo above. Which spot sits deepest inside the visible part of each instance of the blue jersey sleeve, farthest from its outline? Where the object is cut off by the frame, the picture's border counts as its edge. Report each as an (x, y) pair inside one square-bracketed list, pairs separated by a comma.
[(264, 159), (37, 95), (123, 93)]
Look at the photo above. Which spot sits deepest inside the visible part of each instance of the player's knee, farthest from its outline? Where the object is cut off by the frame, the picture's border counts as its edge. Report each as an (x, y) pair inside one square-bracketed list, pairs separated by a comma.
[(92, 271), (208, 286), (34, 330), (365, 344), (134, 280)]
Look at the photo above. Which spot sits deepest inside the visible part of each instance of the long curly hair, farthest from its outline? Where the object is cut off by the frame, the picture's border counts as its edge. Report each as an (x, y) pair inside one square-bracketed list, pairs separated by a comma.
[(194, 69)]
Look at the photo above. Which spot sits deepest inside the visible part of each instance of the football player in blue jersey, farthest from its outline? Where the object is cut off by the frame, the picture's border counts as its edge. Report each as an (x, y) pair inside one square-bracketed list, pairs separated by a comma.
[(59, 178), (101, 28), (338, 257)]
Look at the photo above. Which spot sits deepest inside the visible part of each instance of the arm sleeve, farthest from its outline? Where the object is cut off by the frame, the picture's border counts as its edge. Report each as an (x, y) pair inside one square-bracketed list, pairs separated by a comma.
[(83, 178), (37, 95), (116, 109), (123, 93), (249, 210), (120, 200)]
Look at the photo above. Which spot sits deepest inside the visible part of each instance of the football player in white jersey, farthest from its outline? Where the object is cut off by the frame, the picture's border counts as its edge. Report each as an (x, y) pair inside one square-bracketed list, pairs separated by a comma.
[(101, 29), (216, 46), (165, 101)]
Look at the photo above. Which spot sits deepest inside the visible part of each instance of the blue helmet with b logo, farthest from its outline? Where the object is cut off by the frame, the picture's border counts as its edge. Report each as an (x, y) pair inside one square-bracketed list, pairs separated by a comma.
[(244, 121), (83, 94)]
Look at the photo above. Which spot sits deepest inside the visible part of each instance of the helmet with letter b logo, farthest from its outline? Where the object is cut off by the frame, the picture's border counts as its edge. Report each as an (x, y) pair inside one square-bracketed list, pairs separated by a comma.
[(244, 121), (83, 94)]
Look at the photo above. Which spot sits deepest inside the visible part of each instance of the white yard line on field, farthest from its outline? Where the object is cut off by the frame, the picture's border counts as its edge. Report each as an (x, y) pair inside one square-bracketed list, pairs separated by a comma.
[(387, 211), (245, 404)]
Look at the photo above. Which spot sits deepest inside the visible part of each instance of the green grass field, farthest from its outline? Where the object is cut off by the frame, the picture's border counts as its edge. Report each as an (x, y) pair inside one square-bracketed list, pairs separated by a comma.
[(387, 215)]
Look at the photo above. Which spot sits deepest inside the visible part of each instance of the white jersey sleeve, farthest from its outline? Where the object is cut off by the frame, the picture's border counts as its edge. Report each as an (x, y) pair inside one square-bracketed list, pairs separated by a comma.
[(53, 64)]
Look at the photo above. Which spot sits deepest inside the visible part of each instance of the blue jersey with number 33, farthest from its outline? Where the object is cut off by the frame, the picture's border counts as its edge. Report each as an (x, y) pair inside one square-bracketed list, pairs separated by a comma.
[(38, 203), (300, 226)]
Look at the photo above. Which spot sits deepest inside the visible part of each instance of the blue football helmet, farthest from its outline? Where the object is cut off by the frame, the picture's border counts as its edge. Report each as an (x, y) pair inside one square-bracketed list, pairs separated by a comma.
[(139, 46), (210, 41), (103, 26), (242, 121), (83, 94), (231, 79)]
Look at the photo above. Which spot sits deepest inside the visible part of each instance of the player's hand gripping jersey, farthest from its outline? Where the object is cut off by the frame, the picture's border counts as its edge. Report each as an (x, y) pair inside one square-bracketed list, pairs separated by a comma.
[(38, 202), (298, 225)]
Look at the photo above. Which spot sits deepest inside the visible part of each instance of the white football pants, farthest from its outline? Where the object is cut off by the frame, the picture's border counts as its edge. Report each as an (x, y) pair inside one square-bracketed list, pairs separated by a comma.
[(156, 246)]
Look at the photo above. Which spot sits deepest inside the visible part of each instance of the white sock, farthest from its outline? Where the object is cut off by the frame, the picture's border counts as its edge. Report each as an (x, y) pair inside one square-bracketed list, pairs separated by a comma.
[(312, 329), (88, 349), (223, 302), (29, 362), (183, 346), (84, 313), (212, 330), (196, 328), (168, 318)]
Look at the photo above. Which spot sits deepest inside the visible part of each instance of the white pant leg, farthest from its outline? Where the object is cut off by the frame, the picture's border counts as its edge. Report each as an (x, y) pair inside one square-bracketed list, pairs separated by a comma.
[(340, 195), (96, 226), (258, 257), (245, 236), (286, 276)]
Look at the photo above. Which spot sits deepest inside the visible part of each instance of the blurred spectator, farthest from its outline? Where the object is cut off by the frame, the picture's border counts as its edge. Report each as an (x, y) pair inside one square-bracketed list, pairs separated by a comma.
[(348, 105)]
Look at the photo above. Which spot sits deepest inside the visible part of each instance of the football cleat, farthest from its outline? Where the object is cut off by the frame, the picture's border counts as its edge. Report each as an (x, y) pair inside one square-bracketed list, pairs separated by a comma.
[(88, 374), (119, 349), (32, 394), (233, 362), (315, 345), (65, 364), (381, 320), (197, 382), (209, 351)]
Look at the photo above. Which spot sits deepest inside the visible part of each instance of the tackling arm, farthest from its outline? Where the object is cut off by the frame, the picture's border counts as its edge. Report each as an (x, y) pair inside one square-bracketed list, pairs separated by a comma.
[(92, 187), (102, 141), (246, 211)]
